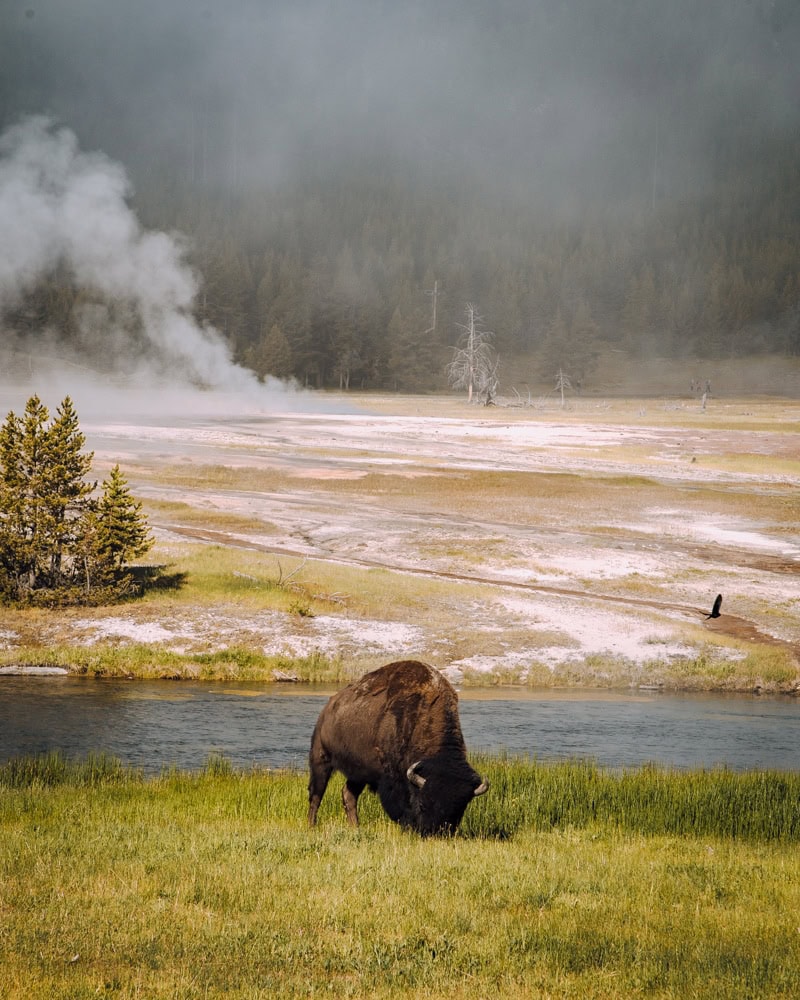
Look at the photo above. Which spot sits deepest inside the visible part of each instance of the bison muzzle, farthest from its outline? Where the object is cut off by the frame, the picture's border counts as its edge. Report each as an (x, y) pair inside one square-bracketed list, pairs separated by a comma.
[(396, 731)]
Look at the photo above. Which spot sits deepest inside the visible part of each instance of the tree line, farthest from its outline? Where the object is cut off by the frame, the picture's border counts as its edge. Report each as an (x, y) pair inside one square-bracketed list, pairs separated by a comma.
[(353, 300), (372, 294)]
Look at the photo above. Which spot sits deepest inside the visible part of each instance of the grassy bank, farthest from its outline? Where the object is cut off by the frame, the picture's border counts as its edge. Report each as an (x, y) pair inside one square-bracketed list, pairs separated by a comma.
[(764, 671), (565, 881), (155, 662)]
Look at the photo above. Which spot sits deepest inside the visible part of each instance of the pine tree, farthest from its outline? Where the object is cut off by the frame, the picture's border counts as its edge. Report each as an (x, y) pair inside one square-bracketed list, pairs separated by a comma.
[(43, 495), (272, 355), (553, 353), (121, 531), (14, 542), (639, 312), (65, 490), (412, 356)]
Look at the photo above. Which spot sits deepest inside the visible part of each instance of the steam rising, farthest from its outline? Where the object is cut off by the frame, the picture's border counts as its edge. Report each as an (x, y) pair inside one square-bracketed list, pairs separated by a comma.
[(61, 207)]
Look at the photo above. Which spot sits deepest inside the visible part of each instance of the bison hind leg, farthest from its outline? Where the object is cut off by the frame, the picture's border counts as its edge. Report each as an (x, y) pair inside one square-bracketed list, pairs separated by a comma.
[(350, 794), (317, 783)]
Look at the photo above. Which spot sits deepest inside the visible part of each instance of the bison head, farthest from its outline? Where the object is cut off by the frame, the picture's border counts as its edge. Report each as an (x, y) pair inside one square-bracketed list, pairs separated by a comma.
[(439, 793)]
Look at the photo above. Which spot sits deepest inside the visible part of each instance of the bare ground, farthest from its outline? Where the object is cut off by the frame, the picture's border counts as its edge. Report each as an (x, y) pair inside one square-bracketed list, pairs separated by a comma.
[(587, 543)]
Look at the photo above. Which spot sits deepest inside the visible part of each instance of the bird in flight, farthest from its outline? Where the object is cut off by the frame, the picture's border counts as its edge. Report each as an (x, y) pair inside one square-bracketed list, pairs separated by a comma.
[(715, 609)]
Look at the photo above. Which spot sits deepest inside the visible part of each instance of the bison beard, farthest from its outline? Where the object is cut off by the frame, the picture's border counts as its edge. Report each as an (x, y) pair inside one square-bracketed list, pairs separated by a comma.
[(396, 731)]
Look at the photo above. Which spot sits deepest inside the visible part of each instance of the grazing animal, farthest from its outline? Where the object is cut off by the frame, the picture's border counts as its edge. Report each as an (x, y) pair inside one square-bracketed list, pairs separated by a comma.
[(715, 609), (396, 731)]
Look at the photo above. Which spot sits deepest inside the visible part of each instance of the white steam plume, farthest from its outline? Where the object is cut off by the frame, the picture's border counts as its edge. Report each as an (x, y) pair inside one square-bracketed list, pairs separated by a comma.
[(59, 205)]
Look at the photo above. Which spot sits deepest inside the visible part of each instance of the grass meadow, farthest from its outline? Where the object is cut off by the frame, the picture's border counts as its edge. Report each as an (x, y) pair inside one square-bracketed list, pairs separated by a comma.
[(564, 881)]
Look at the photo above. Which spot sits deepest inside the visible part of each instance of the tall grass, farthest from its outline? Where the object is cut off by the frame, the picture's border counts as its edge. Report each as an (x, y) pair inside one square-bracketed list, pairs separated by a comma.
[(54, 768), (155, 662), (759, 805), (526, 794)]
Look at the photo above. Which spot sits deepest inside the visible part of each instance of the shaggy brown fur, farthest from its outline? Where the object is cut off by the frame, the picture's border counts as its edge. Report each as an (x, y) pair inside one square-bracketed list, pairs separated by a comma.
[(396, 731)]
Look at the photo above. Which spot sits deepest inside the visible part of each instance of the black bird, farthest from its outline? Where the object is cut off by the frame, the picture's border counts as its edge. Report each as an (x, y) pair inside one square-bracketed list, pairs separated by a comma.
[(715, 609)]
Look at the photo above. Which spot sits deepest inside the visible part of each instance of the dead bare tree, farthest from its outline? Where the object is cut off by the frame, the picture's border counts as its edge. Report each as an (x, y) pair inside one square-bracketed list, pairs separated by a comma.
[(474, 365), (562, 384)]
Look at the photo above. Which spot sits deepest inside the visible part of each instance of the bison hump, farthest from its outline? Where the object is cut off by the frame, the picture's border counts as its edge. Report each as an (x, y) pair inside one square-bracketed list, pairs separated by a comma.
[(405, 677)]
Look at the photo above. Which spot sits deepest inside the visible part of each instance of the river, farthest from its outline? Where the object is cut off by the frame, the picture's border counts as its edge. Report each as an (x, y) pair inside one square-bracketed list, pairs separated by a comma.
[(156, 725)]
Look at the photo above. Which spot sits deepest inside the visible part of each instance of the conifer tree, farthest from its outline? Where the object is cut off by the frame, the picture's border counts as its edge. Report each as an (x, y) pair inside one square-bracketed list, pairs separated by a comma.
[(43, 494), (65, 491), (272, 355), (121, 529), (14, 541)]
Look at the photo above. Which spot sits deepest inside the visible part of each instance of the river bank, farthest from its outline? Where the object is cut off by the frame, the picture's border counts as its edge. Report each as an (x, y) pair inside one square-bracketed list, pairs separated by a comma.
[(764, 672)]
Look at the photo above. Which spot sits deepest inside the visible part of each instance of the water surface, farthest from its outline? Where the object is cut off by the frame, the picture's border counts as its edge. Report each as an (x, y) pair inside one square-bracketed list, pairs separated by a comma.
[(155, 725)]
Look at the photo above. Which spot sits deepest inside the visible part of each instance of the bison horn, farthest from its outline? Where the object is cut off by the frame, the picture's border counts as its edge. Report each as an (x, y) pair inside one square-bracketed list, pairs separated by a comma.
[(413, 777), (482, 788)]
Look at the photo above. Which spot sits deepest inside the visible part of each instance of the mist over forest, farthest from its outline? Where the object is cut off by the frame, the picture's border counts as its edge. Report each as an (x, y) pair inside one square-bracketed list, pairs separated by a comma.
[(289, 183)]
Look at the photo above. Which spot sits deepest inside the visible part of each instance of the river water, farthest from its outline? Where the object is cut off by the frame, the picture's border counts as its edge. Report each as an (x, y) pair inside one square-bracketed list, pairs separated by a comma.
[(157, 725)]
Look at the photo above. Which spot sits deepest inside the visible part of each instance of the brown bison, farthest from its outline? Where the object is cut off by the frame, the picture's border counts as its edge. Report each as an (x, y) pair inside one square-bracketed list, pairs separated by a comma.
[(396, 731)]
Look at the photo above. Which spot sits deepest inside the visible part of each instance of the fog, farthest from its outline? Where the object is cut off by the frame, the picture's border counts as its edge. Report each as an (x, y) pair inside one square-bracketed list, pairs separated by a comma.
[(565, 106), (533, 95)]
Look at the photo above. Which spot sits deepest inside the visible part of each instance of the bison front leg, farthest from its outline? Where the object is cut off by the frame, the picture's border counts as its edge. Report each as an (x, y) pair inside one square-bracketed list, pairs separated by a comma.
[(350, 794)]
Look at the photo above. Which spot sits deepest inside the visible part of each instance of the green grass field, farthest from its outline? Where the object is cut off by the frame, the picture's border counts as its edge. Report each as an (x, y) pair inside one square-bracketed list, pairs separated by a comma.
[(564, 881)]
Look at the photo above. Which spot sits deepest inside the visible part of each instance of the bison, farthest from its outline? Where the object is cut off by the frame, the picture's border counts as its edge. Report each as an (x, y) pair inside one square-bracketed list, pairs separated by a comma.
[(396, 731)]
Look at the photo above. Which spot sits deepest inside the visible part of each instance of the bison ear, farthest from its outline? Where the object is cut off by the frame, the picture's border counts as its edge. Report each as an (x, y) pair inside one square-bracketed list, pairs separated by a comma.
[(413, 777), (482, 788)]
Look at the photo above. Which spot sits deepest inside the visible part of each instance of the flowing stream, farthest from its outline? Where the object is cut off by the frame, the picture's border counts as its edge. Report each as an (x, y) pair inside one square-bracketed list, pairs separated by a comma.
[(157, 725)]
